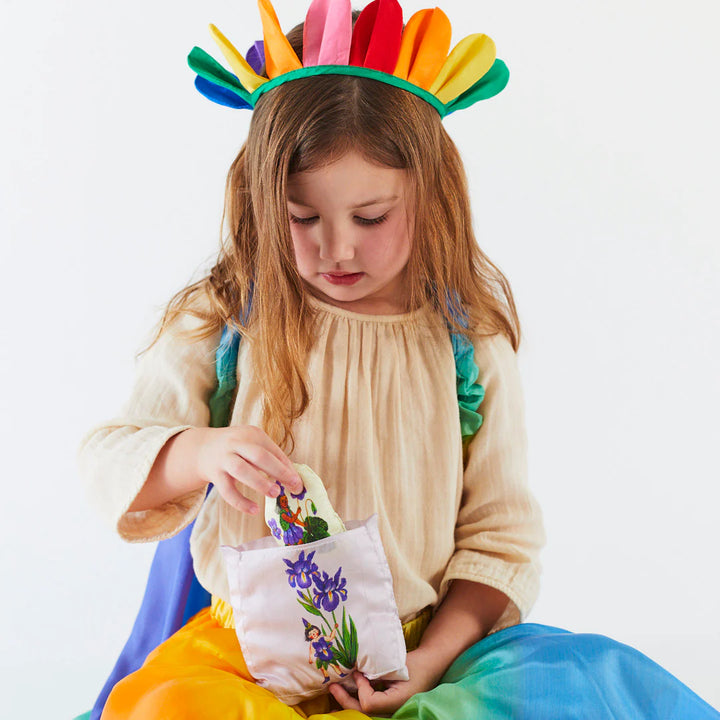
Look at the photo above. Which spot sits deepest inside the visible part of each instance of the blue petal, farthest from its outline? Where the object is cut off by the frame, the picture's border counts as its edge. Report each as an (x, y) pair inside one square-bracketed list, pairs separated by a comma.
[(220, 95)]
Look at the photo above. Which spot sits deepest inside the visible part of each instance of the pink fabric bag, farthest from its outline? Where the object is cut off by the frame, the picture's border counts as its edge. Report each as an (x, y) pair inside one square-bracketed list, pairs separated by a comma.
[(307, 615)]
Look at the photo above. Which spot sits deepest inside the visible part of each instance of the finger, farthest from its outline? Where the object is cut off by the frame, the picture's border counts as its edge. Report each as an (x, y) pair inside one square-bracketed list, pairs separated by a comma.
[(372, 700), (242, 471), (228, 491), (346, 700), (365, 689), (268, 463), (286, 472)]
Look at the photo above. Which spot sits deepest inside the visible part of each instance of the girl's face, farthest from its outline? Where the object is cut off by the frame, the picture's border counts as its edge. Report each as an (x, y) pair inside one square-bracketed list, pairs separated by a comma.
[(352, 218)]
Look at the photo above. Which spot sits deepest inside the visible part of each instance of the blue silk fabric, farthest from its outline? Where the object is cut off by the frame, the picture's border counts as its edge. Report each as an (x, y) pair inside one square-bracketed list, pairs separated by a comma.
[(537, 672)]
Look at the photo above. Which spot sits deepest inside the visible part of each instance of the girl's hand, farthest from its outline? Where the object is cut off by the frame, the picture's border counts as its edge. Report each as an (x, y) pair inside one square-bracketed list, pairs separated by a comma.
[(244, 454), (423, 676)]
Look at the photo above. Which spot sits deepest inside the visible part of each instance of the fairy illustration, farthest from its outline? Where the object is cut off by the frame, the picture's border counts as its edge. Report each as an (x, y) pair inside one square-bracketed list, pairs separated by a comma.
[(334, 642), (299, 526), (321, 646)]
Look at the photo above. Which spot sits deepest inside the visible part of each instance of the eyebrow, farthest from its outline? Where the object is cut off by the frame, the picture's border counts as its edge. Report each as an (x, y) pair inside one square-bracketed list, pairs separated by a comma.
[(374, 201)]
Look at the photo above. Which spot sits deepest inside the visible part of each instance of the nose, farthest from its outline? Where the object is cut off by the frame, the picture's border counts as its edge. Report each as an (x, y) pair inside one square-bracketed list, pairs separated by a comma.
[(336, 246)]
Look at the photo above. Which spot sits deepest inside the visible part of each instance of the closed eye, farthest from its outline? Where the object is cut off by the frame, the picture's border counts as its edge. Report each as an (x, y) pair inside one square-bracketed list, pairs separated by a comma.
[(371, 221), (302, 221), (360, 220)]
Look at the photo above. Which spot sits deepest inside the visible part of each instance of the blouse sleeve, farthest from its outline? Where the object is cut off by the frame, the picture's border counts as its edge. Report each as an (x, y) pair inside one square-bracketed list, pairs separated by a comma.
[(173, 383), (499, 530)]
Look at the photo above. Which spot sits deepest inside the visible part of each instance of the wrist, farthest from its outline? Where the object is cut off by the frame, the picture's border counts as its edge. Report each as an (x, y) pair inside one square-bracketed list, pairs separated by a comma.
[(426, 666), (175, 471), (191, 443)]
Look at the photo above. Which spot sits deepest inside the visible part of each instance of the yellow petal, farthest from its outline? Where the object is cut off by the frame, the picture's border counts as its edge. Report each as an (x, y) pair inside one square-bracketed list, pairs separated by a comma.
[(470, 59), (250, 80)]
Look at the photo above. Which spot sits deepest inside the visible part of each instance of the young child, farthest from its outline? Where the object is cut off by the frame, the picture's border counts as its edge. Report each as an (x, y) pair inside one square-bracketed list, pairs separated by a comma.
[(366, 309)]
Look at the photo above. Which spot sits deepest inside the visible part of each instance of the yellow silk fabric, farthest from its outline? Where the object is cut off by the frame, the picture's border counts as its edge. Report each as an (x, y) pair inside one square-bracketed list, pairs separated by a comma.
[(200, 672), (279, 55), (424, 48)]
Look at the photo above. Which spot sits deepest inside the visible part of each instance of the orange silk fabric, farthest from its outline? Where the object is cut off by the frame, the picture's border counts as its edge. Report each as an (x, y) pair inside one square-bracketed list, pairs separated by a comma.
[(200, 672)]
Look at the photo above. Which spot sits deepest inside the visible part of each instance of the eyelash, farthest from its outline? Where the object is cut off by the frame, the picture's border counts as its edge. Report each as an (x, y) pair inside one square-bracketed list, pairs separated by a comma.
[(360, 220)]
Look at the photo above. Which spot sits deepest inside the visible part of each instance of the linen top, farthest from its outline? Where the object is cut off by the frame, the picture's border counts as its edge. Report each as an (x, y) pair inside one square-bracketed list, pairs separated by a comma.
[(382, 430)]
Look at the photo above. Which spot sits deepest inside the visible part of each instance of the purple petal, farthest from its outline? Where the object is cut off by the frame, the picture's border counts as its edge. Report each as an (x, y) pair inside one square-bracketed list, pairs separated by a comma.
[(256, 56)]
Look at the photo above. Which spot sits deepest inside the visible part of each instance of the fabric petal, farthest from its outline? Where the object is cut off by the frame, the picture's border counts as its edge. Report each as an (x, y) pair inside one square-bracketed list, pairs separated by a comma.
[(424, 48), (247, 76), (377, 36), (470, 59), (207, 67), (279, 55), (256, 56), (220, 95), (489, 85), (327, 34)]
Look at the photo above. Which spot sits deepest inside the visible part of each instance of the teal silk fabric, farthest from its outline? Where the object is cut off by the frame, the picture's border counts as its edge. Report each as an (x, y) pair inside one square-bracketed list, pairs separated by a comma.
[(470, 394), (538, 672)]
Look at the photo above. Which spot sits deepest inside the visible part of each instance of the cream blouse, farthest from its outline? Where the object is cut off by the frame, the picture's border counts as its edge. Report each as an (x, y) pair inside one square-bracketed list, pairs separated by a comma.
[(382, 430)]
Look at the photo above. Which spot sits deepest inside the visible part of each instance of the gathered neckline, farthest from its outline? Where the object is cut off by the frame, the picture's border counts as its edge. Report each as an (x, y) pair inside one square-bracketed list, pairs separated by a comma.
[(366, 317)]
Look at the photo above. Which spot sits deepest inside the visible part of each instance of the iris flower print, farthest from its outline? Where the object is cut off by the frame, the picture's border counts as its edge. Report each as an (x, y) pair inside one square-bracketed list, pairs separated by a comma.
[(303, 571), (274, 529), (329, 590)]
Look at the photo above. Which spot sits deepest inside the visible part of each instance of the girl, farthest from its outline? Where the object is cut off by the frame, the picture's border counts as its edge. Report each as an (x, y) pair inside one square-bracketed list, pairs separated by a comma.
[(366, 310)]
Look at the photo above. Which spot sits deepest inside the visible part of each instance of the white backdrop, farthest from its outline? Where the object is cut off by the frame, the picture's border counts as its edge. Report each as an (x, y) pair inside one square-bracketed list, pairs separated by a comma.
[(592, 179)]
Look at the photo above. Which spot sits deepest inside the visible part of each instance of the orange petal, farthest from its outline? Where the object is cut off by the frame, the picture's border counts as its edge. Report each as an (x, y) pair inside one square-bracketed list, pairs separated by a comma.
[(424, 49), (279, 55)]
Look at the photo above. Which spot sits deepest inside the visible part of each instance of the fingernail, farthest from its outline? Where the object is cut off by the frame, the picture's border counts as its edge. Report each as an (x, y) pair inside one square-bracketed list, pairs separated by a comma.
[(274, 491), (254, 510)]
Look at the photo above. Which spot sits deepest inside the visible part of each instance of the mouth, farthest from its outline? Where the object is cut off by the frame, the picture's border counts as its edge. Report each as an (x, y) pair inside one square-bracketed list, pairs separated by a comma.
[(337, 278)]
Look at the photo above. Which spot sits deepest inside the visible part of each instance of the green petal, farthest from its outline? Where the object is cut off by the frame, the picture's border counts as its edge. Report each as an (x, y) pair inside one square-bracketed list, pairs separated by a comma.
[(489, 85), (207, 67)]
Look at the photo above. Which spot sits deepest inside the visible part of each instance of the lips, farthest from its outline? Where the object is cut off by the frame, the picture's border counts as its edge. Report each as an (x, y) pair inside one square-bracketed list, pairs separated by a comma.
[(343, 278)]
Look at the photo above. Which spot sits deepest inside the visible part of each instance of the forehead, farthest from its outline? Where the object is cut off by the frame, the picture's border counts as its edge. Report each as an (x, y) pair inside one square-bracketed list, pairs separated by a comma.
[(348, 182)]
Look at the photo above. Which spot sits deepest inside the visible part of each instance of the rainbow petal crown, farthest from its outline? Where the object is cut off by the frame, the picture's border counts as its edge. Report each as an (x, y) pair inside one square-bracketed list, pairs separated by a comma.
[(415, 58)]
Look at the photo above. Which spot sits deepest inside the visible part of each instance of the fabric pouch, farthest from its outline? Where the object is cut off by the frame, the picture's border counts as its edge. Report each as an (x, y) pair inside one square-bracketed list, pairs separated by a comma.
[(307, 615)]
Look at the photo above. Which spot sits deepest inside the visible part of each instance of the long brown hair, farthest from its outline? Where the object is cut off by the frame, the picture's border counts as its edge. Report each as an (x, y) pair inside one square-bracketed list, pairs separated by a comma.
[(301, 126)]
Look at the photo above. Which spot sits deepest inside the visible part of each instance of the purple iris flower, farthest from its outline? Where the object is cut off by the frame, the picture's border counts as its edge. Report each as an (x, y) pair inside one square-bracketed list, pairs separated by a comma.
[(302, 571), (274, 529), (323, 649), (329, 590)]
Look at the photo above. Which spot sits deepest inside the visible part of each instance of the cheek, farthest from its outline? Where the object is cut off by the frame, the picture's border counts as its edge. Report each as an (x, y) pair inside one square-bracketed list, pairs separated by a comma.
[(392, 244), (303, 248)]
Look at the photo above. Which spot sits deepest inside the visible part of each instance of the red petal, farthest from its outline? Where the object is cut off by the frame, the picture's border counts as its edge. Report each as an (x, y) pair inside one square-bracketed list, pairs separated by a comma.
[(376, 37)]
